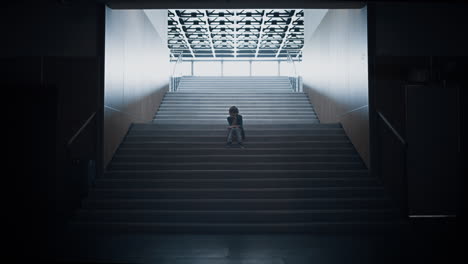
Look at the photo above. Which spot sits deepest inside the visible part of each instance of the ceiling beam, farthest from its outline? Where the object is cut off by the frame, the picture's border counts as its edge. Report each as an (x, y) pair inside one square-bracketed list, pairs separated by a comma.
[(264, 17), (235, 33), (205, 15), (196, 37), (179, 25), (286, 34), (298, 54), (209, 4)]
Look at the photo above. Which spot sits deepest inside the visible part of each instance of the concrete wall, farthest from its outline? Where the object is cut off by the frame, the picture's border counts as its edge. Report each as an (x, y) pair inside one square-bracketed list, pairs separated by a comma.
[(136, 72), (334, 71)]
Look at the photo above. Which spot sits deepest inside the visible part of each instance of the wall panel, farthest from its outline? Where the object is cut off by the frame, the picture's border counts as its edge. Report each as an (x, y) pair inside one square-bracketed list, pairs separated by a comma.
[(136, 72), (334, 71)]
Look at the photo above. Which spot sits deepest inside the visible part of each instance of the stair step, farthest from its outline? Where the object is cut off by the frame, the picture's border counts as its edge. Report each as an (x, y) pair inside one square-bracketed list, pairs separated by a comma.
[(239, 103), (229, 174), (118, 165), (222, 138), (236, 79), (265, 91), (238, 193), (235, 88), (256, 85), (234, 216), (239, 204), (181, 94), (234, 183), (229, 100), (240, 157), (325, 227), (234, 82), (257, 110), (242, 85), (252, 107), (252, 83), (230, 151), (223, 117), (202, 122), (194, 112), (223, 132), (235, 100), (268, 127), (223, 121), (254, 145), (239, 86)]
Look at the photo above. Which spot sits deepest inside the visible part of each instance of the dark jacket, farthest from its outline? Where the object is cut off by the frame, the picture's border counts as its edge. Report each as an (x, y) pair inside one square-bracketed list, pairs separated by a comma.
[(239, 123)]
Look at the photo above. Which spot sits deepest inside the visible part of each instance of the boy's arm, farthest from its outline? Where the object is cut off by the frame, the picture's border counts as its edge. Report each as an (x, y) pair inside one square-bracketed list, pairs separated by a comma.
[(239, 121)]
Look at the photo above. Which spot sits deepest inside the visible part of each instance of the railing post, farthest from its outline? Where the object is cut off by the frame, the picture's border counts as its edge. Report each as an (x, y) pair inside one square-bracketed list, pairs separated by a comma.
[(297, 84), (191, 68), (174, 80), (300, 84), (295, 79), (170, 84), (222, 68), (279, 68)]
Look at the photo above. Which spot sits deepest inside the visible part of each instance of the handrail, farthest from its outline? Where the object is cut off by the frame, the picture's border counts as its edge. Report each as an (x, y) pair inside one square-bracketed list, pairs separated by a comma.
[(296, 81), (174, 80), (292, 61), (125, 113), (395, 132), (70, 142), (235, 60), (179, 59), (353, 110)]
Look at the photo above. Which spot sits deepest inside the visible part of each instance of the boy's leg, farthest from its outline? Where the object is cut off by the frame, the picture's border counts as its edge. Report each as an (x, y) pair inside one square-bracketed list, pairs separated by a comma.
[(239, 135), (229, 138)]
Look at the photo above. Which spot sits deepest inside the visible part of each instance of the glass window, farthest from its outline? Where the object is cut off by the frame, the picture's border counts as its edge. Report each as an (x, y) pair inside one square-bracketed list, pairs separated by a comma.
[(287, 68), (207, 68), (265, 68), (236, 68), (184, 68)]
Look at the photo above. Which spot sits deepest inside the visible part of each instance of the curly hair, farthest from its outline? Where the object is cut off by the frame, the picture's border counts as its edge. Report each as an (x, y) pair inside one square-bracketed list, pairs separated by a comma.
[(233, 110)]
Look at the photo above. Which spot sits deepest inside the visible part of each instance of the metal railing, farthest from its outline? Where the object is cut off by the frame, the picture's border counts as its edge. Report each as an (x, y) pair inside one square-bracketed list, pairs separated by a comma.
[(73, 138), (81, 160), (295, 79), (176, 76)]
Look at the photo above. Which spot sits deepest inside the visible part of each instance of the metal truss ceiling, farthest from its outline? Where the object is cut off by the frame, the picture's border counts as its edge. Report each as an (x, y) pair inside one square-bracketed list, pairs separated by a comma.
[(247, 34)]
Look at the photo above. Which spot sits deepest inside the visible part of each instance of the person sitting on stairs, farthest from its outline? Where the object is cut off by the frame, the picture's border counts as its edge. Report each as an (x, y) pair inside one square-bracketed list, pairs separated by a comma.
[(235, 126)]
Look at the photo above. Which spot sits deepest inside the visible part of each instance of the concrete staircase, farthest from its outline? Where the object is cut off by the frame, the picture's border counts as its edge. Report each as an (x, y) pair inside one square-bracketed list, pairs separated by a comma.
[(261, 100), (295, 174), (236, 85)]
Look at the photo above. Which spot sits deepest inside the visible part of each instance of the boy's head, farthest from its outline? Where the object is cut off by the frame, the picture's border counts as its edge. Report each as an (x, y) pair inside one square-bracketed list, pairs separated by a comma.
[(233, 111)]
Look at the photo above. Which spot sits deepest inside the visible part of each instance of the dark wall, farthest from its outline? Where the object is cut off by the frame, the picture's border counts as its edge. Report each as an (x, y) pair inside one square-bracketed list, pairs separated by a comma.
[(52, 61), (417, 56), (239, 4), (421, 29), (51, 28)]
